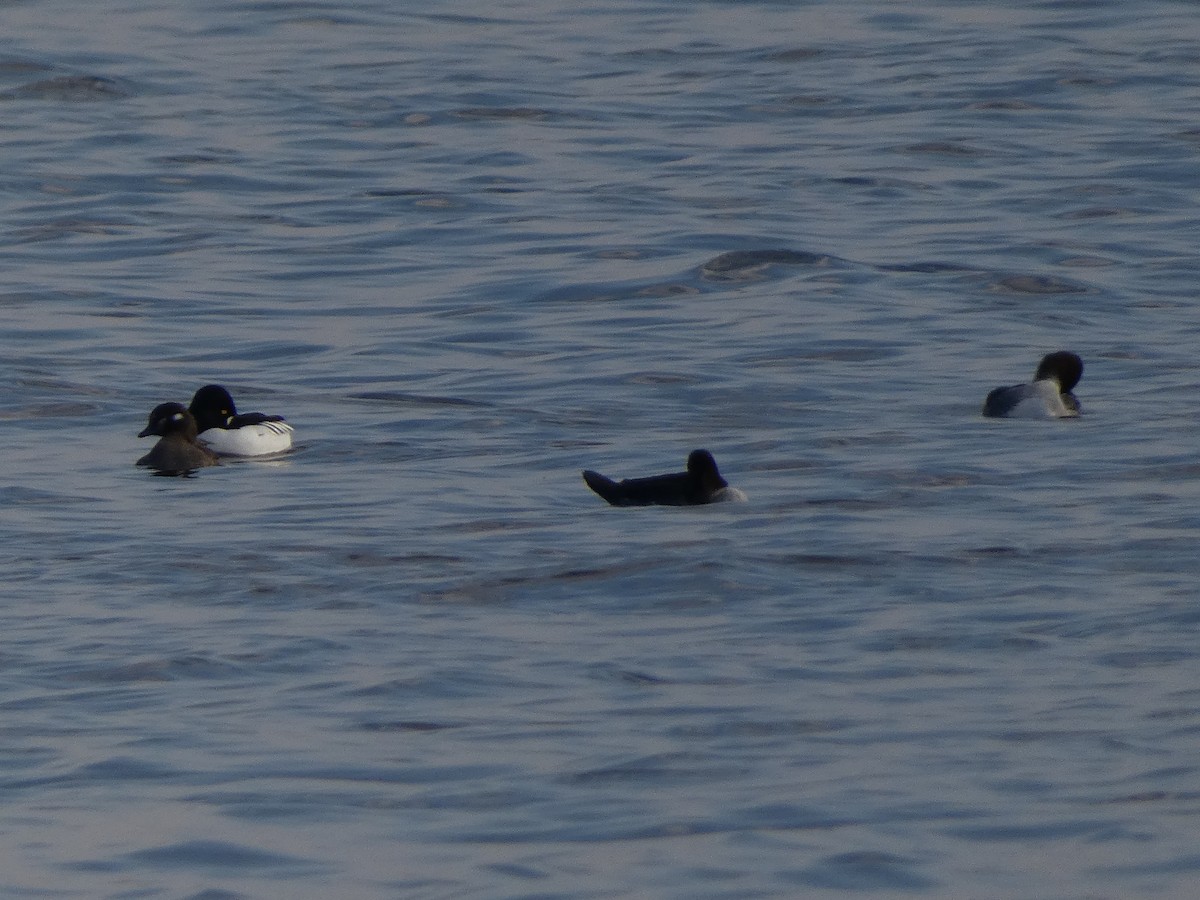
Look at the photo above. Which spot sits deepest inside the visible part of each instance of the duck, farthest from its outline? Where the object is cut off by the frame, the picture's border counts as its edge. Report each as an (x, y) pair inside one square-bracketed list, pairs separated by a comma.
[(229, 433), (177, 452), (1048, 396), (701, 483)]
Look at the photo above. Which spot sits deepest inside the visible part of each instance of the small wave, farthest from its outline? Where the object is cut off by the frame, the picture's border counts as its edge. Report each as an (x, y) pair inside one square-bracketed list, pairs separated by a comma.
[(220, 855), (502, 112), (751, 265), (795, 54), (877, 181), (941, 148), (407, 399), (866, 870), (929, 268), (1038, 284), (1009, 105), (69, 88), (1098, 212), (404, 726)]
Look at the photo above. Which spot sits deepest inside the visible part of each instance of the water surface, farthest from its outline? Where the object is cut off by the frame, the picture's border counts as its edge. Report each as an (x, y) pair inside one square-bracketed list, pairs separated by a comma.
[(469, 253)]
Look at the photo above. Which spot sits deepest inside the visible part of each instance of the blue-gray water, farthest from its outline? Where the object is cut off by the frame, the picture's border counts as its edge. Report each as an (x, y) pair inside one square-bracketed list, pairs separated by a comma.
[(470, 250)]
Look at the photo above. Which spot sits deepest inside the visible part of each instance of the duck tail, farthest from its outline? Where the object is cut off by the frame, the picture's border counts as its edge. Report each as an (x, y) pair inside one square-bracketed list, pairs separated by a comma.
[(602, 485)]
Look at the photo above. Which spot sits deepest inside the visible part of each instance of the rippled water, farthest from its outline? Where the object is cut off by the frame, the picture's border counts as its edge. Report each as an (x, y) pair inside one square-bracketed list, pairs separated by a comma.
[(469, 253)]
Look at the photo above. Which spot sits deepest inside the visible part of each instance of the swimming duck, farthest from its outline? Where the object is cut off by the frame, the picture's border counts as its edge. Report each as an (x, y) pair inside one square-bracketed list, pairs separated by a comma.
[(1047, 396), (701, 483), (177, 452), (228, 433)]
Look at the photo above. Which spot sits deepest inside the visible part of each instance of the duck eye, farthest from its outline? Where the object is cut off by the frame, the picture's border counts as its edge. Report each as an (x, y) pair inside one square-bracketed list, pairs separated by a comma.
[(176, 417)]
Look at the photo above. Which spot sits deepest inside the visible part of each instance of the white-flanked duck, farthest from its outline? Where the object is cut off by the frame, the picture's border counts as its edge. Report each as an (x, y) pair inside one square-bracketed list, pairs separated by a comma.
[(1048, 396), (227, 432)]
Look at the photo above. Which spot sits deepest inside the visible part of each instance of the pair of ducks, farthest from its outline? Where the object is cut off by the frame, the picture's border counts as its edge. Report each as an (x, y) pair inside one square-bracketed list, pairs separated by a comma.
[(1047, 396), (195, 436)]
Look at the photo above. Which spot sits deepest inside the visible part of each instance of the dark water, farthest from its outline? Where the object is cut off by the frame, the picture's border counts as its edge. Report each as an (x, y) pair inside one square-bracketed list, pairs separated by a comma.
[(468, 251)]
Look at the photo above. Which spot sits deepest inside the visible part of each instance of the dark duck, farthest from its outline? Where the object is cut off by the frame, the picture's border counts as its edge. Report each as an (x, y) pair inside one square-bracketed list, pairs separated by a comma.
[(701, 483), (177, 451)]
